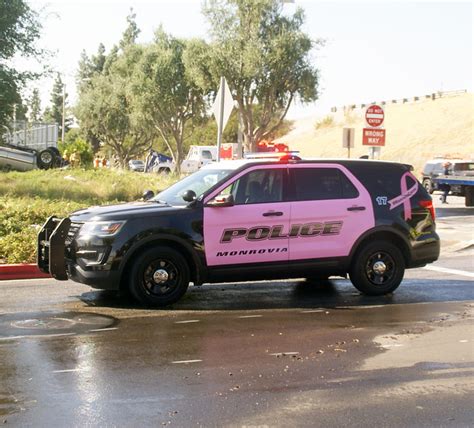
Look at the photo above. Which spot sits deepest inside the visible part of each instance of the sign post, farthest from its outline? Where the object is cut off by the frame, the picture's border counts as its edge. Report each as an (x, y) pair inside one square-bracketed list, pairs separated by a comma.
[(348, 140), (375, 135), (222, 108)]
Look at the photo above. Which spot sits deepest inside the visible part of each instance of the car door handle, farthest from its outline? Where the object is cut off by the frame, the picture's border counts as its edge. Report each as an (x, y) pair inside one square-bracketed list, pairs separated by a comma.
[(356, 209), (273, 214)]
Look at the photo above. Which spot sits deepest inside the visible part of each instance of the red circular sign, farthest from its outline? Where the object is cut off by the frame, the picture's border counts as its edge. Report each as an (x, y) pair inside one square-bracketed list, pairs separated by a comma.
[(374, 115)]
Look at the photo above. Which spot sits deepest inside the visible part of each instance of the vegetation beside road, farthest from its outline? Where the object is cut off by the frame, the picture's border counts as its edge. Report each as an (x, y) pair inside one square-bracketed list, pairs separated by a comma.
[(28, 199)]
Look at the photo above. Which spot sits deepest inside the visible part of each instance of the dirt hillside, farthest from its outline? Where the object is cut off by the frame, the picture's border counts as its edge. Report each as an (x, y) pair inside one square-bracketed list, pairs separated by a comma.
[(416, 131)]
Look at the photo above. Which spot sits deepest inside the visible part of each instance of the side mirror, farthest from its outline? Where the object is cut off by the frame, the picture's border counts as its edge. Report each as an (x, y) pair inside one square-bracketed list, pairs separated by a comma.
[(189, 196), (148, 194), (221, 201)]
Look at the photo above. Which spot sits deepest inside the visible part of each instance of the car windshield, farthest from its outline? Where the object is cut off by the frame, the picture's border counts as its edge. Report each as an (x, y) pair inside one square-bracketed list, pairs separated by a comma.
[(199, 182)]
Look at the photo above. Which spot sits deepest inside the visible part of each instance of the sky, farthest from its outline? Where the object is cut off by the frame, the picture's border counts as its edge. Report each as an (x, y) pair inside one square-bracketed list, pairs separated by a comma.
[(374, 50)]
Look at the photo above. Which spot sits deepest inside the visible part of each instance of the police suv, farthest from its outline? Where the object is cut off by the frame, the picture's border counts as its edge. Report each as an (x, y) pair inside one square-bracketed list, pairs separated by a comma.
[(252, 220)]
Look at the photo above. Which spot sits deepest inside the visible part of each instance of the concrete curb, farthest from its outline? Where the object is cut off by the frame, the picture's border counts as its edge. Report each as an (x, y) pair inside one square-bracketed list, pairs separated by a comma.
[(21, 271)]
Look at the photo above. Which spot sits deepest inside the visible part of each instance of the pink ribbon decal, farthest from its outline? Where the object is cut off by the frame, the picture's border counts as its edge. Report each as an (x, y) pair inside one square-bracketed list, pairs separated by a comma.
[(407, 194)]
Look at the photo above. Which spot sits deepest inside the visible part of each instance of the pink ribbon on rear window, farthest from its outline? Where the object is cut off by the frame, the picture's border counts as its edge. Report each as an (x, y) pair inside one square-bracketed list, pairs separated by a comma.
[(406, 195)]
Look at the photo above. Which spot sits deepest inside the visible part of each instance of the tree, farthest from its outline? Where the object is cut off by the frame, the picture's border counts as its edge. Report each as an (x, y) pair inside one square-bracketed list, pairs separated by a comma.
[(19, 30), (107, 108), (34, 106), (265, 58), (55, 112), (169, 99), (129, 36), (88, 68)]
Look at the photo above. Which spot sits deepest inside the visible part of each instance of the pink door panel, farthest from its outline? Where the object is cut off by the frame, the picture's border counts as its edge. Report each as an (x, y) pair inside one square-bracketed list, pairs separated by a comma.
[(330, 227), (248, 232)]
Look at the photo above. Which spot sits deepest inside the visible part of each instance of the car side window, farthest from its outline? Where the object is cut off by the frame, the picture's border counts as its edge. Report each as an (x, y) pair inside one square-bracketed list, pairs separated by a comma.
[(206, 154), (259, 186), (321, 184)]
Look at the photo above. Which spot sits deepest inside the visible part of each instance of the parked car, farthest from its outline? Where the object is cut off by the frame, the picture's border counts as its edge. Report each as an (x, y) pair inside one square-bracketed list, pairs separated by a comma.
[(136, 165), (197, 157), (435, 168), (247, 220)]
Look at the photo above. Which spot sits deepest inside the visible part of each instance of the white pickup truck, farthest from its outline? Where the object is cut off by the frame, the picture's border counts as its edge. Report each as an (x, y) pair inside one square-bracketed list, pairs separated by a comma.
[(197, 157)]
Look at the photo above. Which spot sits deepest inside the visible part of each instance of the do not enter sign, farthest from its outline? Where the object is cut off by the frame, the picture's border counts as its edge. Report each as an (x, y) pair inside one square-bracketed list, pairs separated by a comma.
[(374, 115)]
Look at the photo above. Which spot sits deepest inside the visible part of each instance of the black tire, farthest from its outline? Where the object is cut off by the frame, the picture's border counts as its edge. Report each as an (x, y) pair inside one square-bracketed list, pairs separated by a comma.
[(428, 185), (45, 158), (375, 280), (165, 171), (144, 284), (469, 199)]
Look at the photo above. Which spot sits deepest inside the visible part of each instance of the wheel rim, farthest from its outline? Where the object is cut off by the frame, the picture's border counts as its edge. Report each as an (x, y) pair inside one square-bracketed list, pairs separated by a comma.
[(160, 277), (427, 185), (46, 157), (380, 268)]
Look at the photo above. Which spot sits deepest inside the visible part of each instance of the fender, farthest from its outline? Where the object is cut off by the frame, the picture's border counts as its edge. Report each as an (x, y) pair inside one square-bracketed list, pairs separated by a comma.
[(379, 229), (137, 243)]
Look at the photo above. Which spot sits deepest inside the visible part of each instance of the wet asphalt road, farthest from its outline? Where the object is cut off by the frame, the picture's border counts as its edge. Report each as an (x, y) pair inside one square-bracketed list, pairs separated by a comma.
[(285, 353)]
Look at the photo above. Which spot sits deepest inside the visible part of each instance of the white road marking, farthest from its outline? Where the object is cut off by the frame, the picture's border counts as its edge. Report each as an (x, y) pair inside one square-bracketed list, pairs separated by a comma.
[(450, 271), (251, 316), (312, 311), (186, 362), (360, 307), (276, 354), (67, 371), (104, 329), (186, 322)]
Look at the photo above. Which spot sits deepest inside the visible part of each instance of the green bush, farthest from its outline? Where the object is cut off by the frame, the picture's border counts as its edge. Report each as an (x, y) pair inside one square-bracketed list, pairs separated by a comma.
[(79, 145), (27, 199)]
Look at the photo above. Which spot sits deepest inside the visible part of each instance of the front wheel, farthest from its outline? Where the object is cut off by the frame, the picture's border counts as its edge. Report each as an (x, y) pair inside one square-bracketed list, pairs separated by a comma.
[(45, 159), (159, 277), (377, 268)]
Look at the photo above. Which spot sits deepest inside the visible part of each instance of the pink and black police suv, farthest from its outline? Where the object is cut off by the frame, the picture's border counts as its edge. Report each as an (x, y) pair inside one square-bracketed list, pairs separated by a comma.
[(252, 220)]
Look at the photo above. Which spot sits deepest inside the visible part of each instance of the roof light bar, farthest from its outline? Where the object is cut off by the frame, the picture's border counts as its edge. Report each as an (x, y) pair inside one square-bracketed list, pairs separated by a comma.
[(291, 155)]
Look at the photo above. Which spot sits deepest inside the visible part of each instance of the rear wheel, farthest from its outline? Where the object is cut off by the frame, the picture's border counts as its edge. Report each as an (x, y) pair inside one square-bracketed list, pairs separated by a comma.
[(159, 277), (428, 185), (377, 268)]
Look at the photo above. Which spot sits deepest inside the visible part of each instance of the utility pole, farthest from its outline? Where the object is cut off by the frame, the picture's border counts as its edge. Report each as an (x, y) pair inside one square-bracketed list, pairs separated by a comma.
[(64, 102)]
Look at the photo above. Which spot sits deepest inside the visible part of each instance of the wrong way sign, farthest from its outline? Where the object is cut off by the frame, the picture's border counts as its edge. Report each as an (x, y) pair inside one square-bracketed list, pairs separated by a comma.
[(374, 115), (373, 137)]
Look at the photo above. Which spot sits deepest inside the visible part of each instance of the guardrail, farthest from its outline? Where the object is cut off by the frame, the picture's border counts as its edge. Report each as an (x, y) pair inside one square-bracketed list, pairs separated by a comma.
[(433, 96)]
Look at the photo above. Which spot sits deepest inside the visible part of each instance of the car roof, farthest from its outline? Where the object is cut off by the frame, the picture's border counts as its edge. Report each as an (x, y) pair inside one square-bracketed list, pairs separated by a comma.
[(239, 163)]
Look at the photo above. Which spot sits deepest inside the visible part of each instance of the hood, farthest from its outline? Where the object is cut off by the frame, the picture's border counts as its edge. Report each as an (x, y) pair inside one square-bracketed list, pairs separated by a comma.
[(121, 211)]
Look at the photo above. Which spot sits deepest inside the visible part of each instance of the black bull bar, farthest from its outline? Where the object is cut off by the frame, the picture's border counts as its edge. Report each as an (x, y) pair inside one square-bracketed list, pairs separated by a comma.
[(51, 247)]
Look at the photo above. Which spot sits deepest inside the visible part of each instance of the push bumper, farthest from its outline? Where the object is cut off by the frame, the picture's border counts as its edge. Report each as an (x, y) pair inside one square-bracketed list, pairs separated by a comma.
[(52, 246)]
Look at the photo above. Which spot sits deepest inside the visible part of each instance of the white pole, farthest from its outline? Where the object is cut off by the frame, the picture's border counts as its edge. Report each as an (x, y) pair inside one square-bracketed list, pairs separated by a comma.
[(62, 125), (220, 123)]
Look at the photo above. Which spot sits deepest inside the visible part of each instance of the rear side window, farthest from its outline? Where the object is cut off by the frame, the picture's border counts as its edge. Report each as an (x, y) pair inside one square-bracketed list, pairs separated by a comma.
[(322, 184)]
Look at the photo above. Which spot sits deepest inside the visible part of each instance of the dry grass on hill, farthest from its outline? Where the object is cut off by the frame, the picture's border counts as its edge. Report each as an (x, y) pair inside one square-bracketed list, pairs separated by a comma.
[(416, 132)]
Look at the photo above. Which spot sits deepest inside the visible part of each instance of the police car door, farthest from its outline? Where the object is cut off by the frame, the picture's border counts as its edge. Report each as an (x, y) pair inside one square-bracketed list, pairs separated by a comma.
[(330, 209), (254, 228)]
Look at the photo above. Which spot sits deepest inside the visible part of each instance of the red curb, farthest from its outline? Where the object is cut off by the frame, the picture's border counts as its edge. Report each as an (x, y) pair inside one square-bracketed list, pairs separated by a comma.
[(21, 271)]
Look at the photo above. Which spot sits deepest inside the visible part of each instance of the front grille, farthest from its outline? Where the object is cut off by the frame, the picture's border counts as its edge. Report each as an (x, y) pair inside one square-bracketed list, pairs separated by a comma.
[(73, 231)]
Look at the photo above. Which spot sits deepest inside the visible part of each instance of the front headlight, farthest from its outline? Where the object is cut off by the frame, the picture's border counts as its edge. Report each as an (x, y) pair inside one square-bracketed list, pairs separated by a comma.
[(101, 228)]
